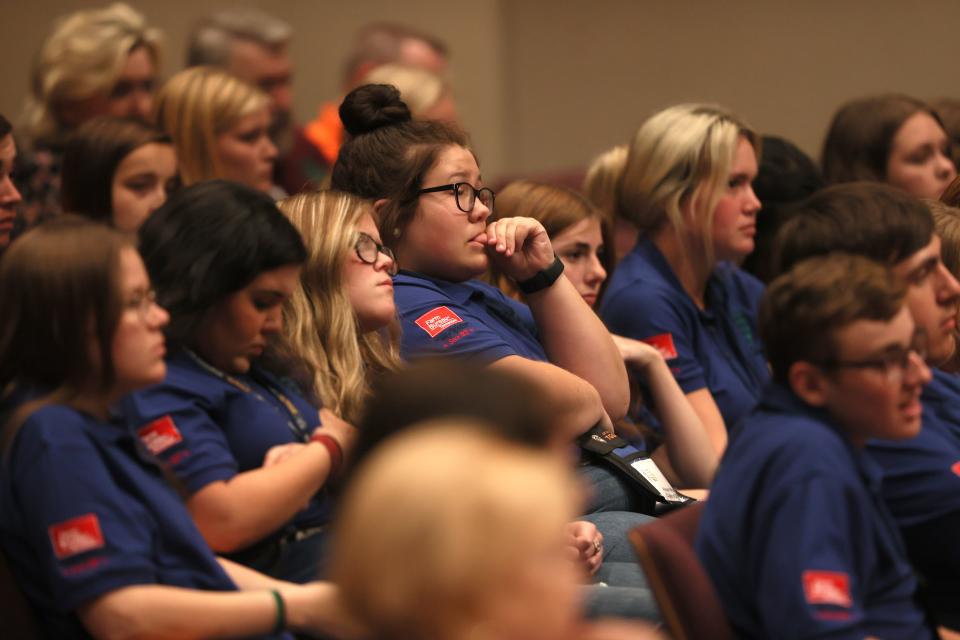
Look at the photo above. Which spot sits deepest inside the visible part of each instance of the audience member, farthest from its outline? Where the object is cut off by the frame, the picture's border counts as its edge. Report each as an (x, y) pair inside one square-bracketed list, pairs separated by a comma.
[(890, 138), (786, 176), (580, 236), (94, 62), (219, 125), (425, 184), (247, 447), (949, 111), (99, 543), (467, 555), (117, 171), (9, 195), (601, 185), (341, 320), (427, 95), (795, 536), (688, 187), (920, 484)]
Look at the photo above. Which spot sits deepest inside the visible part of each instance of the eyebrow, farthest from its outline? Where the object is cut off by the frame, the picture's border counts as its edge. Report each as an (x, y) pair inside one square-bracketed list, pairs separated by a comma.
[(581, 246)]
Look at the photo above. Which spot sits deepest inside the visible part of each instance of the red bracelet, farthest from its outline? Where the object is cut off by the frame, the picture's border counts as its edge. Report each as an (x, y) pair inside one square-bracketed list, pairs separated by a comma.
[(332, 447)]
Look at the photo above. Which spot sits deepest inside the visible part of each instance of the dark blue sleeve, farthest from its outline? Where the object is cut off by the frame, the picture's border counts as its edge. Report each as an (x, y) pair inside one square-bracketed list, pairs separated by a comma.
[(90, 537), (653, 316), (179, 428), (436, 326)]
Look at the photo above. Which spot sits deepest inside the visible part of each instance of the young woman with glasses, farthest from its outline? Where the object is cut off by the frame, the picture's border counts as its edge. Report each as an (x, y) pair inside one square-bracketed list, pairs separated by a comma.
[(432, 209), (100, 544), (341, 320), (246, 445)]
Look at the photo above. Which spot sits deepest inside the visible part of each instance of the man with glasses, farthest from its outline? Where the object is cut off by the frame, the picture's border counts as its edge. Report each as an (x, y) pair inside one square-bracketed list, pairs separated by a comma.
[(921, 475), (796, 536)]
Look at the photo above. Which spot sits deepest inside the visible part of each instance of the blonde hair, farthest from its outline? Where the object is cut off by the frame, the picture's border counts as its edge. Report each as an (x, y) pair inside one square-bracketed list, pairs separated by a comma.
[(602, 181), (419, 89), (81, 58), (194, 107), (681, 155), (320, 326), (464, 507)]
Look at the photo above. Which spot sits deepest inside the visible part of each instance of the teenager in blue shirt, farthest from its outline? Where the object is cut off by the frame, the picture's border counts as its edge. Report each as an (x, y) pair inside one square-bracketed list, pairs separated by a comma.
[(98, 541), (796, 536), (920, 481), (687, 186), (246, 446), (432, 207)]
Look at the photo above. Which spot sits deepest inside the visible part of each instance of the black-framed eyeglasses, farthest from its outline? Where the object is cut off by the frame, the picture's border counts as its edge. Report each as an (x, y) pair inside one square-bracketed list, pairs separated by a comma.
[(368, 250), (466, 194), (892, 363)]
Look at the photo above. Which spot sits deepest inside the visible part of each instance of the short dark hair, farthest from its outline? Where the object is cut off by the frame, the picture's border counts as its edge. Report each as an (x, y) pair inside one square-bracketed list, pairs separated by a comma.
[(861, 133), (869, 219), (5, 127), (209, 240), (803, 308), (388, 153), (91, 157)]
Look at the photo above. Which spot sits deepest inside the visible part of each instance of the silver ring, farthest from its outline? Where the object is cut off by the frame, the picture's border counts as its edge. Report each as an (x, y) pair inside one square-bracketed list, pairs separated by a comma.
[(597, 545)]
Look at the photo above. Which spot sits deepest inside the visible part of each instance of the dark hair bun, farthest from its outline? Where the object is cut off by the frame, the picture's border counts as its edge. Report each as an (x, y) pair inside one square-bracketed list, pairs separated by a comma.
[(372, 106)]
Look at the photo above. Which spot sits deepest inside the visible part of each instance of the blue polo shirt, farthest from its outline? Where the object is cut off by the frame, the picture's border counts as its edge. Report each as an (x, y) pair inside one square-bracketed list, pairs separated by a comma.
[(796, 537), (462, 319), (83, 514), (717, 348), (206, 429)]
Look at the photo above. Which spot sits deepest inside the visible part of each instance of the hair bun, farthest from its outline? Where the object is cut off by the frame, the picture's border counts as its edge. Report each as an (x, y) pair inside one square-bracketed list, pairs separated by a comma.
[(372, 106)]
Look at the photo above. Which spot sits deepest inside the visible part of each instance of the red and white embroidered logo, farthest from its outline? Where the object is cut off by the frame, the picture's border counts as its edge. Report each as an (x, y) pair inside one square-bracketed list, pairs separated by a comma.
[(160, 435), (664, 344), (827, 587), (956, 468), (435, 321), (76, 536)]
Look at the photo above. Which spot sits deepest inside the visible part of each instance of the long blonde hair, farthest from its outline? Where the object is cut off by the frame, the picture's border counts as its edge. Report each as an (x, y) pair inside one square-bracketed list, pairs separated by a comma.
[(194, 107), (81, 58), (681, 155), (319, 324)]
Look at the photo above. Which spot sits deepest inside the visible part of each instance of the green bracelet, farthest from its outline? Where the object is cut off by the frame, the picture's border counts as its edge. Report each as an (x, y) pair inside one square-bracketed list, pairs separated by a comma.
[(281, 623)]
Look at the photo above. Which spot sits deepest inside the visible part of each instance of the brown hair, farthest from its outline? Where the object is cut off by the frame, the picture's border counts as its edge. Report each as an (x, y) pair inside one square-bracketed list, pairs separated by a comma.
[(861, 134), (59, 290), (388, 153), (556, 208), (946, 222), (91, 157), (802, 309)]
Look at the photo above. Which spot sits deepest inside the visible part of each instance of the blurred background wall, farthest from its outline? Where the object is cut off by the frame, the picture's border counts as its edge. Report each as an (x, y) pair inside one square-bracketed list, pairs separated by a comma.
[(544, 86)]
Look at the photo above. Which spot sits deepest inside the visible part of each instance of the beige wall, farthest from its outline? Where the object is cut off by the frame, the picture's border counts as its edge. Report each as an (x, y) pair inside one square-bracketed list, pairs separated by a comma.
[(547, 85)]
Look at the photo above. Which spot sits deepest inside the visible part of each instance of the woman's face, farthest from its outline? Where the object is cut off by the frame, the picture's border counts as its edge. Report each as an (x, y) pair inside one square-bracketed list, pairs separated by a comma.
[(369, 286), (441, 240), (235, 330), (580, 248), (131, 96), (246, 153), (735, 218), (141, 183), (138, 344), (919, 161)]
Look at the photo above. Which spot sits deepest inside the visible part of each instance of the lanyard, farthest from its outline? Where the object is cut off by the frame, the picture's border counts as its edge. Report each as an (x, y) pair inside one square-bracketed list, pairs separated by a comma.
[(298, 425)]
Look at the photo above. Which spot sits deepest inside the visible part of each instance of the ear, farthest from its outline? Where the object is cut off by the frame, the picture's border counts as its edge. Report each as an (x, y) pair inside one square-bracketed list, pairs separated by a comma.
[(378, 206), (809, 383)]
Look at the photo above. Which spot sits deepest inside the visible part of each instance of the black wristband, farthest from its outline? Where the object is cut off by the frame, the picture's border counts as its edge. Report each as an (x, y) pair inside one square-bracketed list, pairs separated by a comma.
[(543, 278)]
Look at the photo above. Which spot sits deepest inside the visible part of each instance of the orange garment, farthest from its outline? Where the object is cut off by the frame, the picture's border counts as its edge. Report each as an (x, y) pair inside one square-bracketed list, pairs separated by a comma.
[(325, 132)]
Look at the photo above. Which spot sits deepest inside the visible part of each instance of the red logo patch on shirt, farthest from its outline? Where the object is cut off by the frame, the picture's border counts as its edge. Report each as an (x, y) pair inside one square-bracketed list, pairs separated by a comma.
[(956, 468), (76, 536), (664, 344), (436, 320), (160, 435), (827, 587)]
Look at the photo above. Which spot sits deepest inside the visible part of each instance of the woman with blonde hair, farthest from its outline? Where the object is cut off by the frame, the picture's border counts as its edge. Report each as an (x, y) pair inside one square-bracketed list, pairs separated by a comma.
[(428, 96), (688, 188), (95, 62), (219, 125), (601, 186), (341, 321)]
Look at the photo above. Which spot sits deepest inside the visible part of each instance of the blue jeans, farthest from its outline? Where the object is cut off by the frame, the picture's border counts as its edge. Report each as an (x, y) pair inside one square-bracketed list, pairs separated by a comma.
[(610, 491)]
